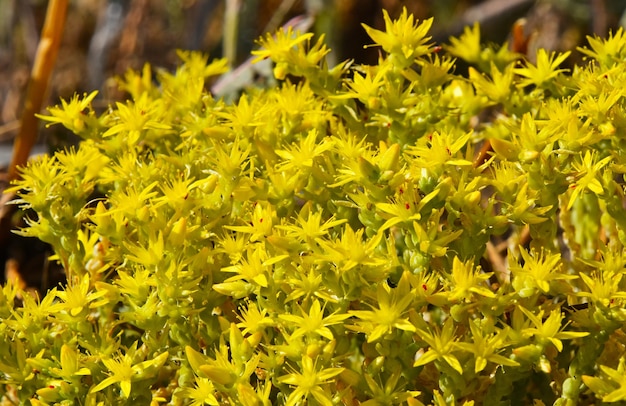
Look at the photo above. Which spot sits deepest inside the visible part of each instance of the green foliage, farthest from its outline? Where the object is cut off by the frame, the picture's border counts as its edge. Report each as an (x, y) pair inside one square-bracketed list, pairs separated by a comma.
[(330, 240)]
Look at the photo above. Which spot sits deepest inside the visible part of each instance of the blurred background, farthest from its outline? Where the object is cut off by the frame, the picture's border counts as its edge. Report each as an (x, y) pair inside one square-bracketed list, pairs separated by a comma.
[(104, 38)]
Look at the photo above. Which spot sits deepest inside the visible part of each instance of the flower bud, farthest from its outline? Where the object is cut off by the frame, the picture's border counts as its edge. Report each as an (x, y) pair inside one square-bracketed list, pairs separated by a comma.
[(390, 159), (178, 232)]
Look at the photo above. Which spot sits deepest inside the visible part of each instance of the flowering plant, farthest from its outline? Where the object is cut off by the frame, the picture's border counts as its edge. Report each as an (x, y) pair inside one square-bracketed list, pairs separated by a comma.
[(369, 235)]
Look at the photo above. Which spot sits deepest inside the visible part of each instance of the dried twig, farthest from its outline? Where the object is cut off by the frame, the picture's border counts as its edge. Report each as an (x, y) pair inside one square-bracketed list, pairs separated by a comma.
[(40, 76), (27, 135)]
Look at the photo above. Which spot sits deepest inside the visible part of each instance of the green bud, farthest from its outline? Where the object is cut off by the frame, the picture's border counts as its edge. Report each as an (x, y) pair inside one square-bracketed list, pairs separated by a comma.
[(390, 159), (367, 169), (529, 353), (472, 198), (220, 375), (376, 365), (143, 214), (528, 156), (178, 232)]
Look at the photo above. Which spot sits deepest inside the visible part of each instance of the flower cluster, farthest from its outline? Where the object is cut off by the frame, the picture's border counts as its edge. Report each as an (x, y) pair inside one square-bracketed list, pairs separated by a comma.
[(352, 235)]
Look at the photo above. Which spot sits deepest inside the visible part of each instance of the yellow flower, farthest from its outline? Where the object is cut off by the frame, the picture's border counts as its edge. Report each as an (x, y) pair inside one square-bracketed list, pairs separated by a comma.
[(604, 287), (441, 148), (291, 51), (587, 176), (302, 157), (253, 320), (75, 115), (549, 329), (351, 250), (442, 345), (309, 225), (367, 88), (545, 71), (79, 297), (612, 389), (310, 382), (143, 114), (405, 39), (314, 322), (498, 87), (466, 279), (261, 224), (392, 304), (275, 46), (202, 393), (405, 206), (124, 371), (538, 271), (255, 268), (485, 348), (609, 51), (468, 46)]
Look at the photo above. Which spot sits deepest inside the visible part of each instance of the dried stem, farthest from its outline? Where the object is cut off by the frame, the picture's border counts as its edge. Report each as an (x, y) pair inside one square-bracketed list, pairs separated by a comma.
[(40, 76)]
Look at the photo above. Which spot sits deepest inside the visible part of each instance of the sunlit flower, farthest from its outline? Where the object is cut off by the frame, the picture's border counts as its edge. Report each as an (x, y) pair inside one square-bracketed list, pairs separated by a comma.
[(550, 329), (538, 271), (442, 345), (466, 279), (586, 173), (405, 39), (392, 307), (485, 347), (82, 296), (76, 116), (124, 371), (202, 393), (314, 321), (545, 71), (309, 381)]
